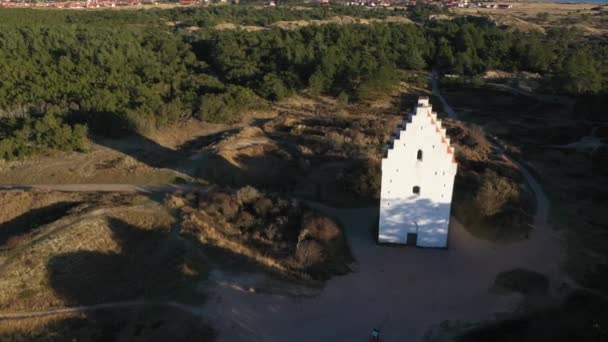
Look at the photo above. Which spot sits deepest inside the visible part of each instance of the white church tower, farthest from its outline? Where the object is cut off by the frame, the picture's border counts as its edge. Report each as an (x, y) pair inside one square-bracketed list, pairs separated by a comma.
[(418, 174)]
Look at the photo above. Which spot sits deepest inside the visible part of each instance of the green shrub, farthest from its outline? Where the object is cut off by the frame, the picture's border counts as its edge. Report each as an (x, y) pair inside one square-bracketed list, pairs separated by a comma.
[(24, 137), (273, 88), (362, 180), (228, 106)]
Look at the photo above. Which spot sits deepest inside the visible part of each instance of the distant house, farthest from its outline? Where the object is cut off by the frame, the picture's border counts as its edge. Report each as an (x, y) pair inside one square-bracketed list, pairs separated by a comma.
[(505, 6), (418, 174)]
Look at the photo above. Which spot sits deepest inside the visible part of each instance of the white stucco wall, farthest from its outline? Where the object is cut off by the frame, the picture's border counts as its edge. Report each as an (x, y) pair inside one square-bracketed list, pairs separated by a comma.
[(402, 211)]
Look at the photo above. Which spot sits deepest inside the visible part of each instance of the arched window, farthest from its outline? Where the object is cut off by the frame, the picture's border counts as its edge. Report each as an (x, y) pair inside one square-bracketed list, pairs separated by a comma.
[(416, 190), (419, 155)]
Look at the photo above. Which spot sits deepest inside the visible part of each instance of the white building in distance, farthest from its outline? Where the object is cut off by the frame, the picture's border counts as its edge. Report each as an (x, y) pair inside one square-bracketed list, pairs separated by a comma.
[(418, 174)]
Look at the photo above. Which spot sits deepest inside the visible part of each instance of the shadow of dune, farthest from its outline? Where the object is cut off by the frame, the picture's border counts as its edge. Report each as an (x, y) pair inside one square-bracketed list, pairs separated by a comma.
[(268, 172), (151, 264), (19, 227), (144, 150), (149, 268), (206, 140)]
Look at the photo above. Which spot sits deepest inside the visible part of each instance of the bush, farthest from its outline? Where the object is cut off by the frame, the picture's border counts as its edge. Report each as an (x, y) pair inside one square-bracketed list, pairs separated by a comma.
[(363, 179), (495, 193), (228, 106), (379, 82), (310, 254), (319, 227), (220, 204), (273, 88), (24, 137)]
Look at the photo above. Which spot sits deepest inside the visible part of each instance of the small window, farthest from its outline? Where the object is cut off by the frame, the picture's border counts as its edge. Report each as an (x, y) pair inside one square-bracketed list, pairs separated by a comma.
[(433, 146), (419, 155), (416, 190), (435, 173)]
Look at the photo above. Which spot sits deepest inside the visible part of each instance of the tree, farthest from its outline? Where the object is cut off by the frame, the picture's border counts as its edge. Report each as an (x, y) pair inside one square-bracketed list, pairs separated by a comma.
[(273, 88), (580, 74), (445, 56)]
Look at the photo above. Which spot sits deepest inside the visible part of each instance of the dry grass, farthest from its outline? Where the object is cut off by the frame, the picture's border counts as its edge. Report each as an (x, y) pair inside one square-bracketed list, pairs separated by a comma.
[(513, 23), (531, 9), (275, 232), (99, 165), (343, 20), (540, 16), (315, 148), (149, 324)]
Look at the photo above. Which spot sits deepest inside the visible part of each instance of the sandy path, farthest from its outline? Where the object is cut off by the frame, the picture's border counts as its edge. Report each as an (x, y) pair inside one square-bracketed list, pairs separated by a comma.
[(402, 290)]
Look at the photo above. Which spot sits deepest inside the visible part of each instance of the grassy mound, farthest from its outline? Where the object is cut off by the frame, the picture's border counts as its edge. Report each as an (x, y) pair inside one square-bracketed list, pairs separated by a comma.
[(104, 248), (79, 249), (324, 153), (523, 281), (145, 323)]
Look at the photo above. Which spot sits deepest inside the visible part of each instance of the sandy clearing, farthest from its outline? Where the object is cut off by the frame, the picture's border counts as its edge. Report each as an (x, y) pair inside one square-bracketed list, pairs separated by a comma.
[(402, 290)]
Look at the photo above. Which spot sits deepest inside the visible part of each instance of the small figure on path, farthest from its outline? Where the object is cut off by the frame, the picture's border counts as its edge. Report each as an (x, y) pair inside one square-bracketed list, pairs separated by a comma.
[(375, 334)]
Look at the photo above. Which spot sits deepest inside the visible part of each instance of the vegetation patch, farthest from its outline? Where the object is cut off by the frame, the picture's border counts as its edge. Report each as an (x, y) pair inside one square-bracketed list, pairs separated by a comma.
[(276, 232), (490, 198), (311, 151), (116, 72), (536, 128), (37, 134)]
